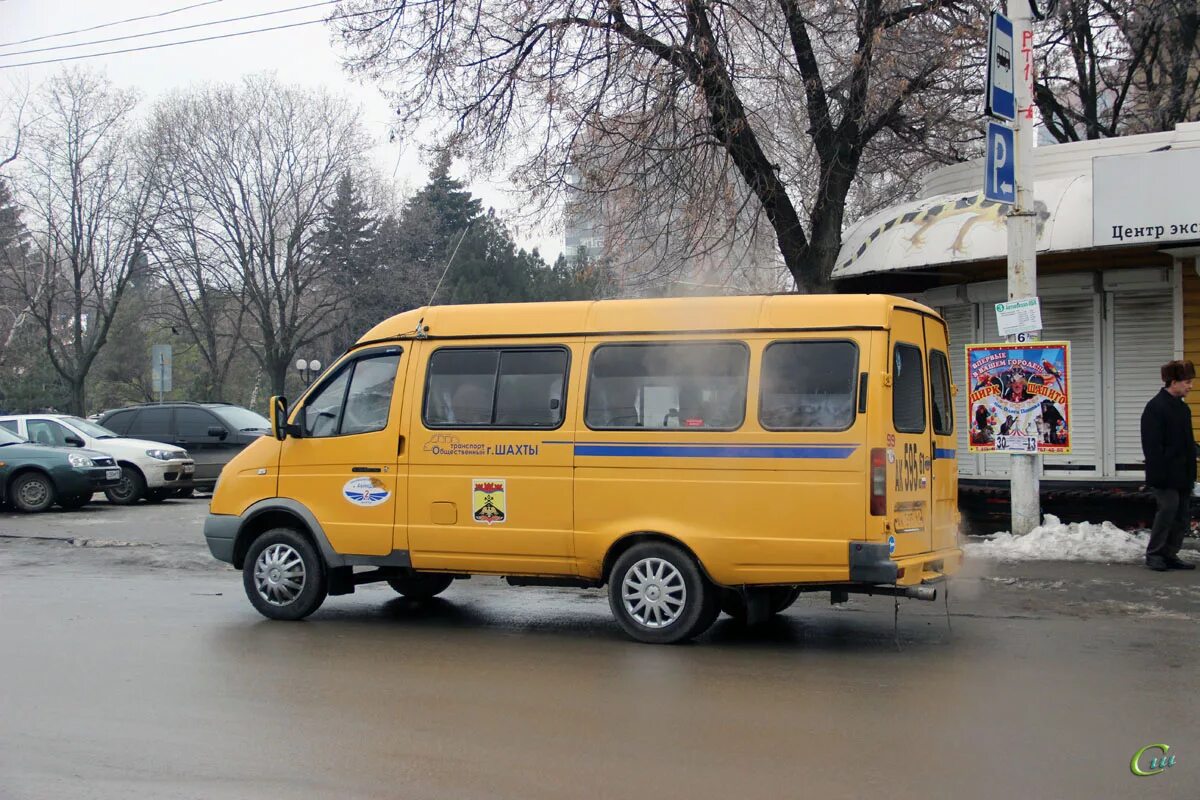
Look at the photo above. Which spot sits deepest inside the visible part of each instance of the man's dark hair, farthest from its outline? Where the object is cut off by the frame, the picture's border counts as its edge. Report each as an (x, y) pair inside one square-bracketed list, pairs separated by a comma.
[(1177, 371)]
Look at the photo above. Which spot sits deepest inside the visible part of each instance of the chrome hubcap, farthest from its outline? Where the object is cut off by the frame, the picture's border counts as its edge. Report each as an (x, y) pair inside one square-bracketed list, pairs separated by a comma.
[(34, 493), (653, 592), (279, 574)]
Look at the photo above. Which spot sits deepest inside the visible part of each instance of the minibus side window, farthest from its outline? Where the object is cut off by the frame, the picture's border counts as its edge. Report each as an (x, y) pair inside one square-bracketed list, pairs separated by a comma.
[(356, 400), (939, 391), (496, 387), (908, 390), (687, 386), (808, 385), (323, 412), (370, 397)]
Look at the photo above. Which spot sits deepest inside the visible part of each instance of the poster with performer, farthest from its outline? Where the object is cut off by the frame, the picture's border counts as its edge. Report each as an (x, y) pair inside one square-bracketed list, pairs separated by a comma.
[(1019, 397)]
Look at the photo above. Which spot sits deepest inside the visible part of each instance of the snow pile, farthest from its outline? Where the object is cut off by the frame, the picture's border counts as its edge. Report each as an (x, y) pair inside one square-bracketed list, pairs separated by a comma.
[(1054, 541)]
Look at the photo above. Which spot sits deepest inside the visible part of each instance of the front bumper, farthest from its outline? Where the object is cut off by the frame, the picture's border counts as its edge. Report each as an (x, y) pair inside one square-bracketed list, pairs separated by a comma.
[(177, 473), (220, 531)]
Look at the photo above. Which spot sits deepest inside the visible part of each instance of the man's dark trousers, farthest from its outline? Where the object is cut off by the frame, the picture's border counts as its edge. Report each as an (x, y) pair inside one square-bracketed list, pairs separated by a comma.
[(1170, 522)]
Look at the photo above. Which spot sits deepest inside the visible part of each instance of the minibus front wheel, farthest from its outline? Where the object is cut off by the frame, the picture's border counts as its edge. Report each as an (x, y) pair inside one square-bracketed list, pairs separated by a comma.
[(659, 595), (284, 575)]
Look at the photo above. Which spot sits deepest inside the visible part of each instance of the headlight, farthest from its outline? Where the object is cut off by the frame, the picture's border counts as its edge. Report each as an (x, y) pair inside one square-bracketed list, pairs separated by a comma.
[(80, 460), (161, 455)]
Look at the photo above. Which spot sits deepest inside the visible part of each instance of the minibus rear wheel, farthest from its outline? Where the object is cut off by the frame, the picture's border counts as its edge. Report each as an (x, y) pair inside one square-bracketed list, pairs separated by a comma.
[(284, 575), (659, 595), (420, 585)]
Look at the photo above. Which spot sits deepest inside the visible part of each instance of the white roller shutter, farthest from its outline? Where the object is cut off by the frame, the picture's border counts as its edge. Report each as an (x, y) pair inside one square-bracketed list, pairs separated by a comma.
[(1143, 339), (961, 322), (1077, 321)]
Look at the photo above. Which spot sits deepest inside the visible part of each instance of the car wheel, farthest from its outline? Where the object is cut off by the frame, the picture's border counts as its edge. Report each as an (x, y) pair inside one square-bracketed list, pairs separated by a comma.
[(284, 575), (183, 494), (659, 595), (31, 492), (76, 501), (420, 586), (129, 490), (158, 495), (765, 603)]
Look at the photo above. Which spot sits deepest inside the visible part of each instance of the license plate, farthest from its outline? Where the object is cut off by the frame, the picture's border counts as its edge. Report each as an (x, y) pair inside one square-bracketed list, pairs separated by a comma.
[(910, 518), (188, 469), (112, 474)]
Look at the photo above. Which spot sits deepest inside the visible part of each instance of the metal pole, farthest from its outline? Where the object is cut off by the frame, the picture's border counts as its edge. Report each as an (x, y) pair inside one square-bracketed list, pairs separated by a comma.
[(1022, 250), (162, 376)]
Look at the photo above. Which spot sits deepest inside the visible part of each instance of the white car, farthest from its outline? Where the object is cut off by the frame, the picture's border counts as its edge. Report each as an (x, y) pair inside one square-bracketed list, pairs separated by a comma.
[(148, 469)]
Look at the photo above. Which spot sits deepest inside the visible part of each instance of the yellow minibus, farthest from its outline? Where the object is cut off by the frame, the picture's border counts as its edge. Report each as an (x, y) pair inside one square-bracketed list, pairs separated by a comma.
[(695, 455)]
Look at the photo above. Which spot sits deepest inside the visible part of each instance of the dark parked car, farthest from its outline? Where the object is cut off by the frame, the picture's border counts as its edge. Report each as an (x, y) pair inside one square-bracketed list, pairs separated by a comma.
[(34, 477), (212, 433)]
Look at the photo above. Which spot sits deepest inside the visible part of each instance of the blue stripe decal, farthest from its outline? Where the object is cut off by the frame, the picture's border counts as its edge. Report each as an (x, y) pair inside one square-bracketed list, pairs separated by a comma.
[(941, 453), (715, 451)]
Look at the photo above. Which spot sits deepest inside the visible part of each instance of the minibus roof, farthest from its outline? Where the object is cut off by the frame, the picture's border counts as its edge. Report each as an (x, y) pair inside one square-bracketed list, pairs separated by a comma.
[(699, 315)]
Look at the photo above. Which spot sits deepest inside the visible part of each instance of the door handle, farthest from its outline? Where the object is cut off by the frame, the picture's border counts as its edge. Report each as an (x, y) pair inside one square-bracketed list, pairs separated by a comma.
[(366, 469), (400, 444)]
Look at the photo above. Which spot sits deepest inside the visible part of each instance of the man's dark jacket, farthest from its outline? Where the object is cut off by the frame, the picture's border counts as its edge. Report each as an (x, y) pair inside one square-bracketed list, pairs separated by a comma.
[(1168, 443)]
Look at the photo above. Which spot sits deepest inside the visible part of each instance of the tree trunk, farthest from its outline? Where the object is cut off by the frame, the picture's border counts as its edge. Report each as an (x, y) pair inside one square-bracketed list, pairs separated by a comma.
[(78, 396), (277, 369)]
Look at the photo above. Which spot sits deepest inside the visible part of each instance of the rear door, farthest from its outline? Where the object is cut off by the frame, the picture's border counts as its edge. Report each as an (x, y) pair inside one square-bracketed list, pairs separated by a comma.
[(910, 439), (944, 475)]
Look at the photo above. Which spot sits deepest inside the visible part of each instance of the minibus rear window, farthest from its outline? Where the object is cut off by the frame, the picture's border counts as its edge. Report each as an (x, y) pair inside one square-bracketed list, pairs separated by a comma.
[(684, 386), (939, 394), (808, 386), (908, 390)]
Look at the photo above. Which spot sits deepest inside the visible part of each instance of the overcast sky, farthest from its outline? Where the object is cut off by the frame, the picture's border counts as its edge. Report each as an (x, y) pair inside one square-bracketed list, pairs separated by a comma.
[(302, 55)]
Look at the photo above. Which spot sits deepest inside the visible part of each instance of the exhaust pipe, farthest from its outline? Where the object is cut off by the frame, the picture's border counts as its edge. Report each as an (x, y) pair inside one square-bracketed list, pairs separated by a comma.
[(911, 592), (920, 592)]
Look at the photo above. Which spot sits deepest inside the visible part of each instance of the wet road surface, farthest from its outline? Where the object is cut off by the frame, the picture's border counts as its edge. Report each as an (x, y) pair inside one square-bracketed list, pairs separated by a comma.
[(132, 665)]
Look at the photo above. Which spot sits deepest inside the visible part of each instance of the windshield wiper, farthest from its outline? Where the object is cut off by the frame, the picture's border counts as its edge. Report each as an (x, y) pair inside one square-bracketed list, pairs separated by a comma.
[(108, 436)]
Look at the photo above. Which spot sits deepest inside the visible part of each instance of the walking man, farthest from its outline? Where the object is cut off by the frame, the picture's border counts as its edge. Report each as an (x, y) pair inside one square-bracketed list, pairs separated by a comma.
[(1170, 451)]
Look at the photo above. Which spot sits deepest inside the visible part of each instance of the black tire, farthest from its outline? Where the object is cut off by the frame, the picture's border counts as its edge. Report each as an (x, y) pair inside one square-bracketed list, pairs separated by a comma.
[(312, 583), (75, 502), (31, 493), (778, 599), (421, 585), (694, 604), (185, 493), (158, 495), (130, 490)]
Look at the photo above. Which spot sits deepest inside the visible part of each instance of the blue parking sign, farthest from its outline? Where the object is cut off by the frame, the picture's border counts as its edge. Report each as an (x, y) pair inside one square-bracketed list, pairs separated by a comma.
[(1000, 176)]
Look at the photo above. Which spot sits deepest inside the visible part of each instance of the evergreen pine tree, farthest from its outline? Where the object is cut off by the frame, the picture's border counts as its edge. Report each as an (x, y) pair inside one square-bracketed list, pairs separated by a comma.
[(347, 249)]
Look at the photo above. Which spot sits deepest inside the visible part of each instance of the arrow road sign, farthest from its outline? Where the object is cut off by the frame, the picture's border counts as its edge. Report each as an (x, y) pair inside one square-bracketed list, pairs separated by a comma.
[(999, 180), (1000, 102)]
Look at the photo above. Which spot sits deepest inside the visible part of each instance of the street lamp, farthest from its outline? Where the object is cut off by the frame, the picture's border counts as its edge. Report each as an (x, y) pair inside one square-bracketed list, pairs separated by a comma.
[(308, 369)]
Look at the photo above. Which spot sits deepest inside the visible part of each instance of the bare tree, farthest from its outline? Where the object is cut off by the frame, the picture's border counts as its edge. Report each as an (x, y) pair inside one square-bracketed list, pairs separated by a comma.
[(253, 166), (87, 201), (207, 300), (14, 120), (693, 100), (1114, 67)]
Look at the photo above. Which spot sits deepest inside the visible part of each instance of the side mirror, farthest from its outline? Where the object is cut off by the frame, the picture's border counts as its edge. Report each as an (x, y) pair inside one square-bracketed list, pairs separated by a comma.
[(73, 441), (217, 432), (278, 414)]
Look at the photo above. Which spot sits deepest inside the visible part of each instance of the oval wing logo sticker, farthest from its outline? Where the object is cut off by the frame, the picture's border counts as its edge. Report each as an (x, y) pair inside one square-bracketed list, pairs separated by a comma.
[(365, 491)]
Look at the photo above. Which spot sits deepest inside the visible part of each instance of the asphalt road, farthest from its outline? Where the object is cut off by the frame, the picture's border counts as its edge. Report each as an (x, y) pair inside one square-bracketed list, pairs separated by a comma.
[(131, 665)]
